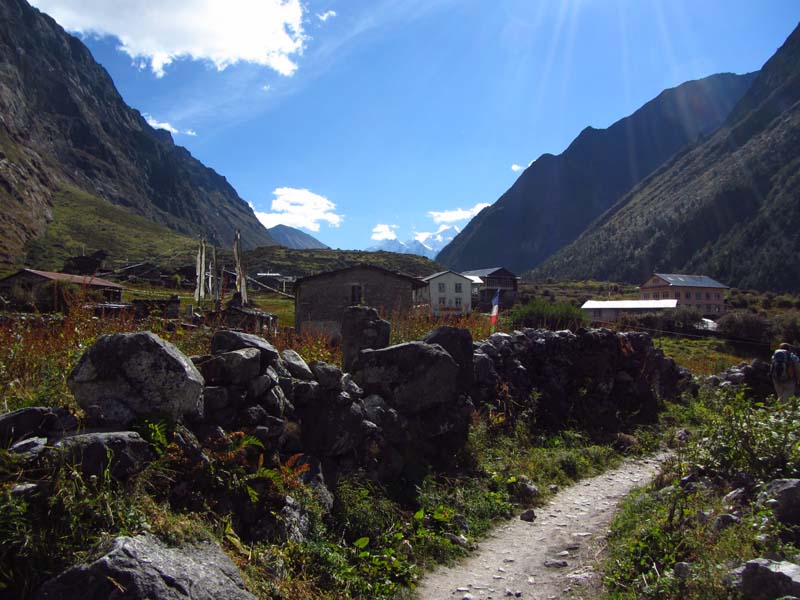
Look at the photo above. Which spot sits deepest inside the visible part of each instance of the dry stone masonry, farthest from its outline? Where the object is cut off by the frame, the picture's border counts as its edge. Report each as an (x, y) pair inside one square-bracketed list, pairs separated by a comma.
[(398, 413)]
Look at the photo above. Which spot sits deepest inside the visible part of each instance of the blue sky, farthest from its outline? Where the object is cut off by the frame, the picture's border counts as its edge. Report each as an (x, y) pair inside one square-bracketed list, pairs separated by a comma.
[(361, 120)]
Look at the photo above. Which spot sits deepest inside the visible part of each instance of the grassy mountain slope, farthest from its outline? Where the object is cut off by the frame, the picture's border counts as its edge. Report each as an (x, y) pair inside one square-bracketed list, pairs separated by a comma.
[(556, 197), (727, 207), (86, 223), (62, 122)]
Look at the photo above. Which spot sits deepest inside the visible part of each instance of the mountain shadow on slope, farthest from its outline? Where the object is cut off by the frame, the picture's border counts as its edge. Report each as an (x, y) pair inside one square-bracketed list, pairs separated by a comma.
[(556, 197), (726, 208)]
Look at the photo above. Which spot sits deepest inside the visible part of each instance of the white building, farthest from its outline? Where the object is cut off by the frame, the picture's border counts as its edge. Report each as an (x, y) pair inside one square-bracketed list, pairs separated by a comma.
[(447, 292), (610, 310)]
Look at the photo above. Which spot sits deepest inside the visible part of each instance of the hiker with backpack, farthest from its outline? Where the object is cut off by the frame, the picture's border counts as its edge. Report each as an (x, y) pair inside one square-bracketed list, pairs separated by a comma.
[(784, 369)]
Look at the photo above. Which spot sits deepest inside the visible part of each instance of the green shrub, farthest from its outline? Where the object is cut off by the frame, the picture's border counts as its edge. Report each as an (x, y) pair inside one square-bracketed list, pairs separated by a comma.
[(744, 325), (541, 313)]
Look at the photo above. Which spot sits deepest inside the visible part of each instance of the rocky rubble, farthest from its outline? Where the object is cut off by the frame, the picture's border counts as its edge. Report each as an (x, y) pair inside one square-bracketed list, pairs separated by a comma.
[(399, 413), (754, 375)]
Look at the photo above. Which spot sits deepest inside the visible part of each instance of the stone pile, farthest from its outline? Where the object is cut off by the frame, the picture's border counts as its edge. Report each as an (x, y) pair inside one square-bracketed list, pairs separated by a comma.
[(754, 375)]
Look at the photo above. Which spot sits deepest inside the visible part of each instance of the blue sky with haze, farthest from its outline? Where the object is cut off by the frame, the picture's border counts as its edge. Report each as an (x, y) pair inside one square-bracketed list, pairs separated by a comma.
[(362, 120)]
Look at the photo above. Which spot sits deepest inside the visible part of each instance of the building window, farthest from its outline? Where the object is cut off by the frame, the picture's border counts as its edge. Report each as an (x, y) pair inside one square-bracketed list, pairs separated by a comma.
[(441, 288), (458, 289), (688, 295), (356, 294), (441, 300), (708, 296), (458, 299), (646, 296), (655, 295), (716, 296), (698, 296)]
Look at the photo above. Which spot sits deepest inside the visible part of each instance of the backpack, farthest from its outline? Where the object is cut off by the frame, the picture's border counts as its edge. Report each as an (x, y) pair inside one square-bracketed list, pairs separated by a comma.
[(782, 367)]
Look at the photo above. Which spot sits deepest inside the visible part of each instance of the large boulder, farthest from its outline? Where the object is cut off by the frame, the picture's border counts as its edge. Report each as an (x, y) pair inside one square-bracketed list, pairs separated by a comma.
[(411, 377), (295, 364), (763, 579), (35, 421), (143, 568), (784, 495), (362, 328), (458, 343), (226, 341), (129, 376)]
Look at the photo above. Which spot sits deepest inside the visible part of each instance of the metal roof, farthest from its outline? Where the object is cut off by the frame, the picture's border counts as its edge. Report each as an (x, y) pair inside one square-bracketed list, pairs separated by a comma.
[(629, 304), (690, 280), (70, 278), (415, 281), (486, 272), (474, 279), (435, 275)]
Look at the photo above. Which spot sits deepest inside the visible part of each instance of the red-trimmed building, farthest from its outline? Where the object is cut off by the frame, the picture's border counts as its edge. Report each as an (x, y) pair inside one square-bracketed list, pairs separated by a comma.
[(31, 279)]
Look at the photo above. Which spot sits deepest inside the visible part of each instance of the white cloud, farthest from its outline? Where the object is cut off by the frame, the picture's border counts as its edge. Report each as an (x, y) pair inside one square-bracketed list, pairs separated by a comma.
[(457, 214), (300, 208), (516, 168), (266, 87), (264, 32), (155, 123), (382, 232), (326, 15)]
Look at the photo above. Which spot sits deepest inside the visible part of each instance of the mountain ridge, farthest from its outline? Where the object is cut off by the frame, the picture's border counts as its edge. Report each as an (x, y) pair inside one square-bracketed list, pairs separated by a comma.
[(557, 196), (726, 207), (63, 122)]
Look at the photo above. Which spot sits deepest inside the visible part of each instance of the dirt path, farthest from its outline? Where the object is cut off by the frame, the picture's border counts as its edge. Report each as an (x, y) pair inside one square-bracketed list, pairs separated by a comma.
[(552, 557)]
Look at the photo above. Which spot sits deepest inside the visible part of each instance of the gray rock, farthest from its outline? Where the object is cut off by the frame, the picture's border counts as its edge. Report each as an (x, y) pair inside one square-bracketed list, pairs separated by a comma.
[(239, 367), (328, 376), (146, 569), (254, 415), (528, 515), (458, 540), (30, 449), (124, 453), (553, 563), (305, 393), (259, 386), (411, 377), (351, 387), (275, 403), (35, 421), (763, 579), (331, 430), (458, 344), (214, 398), (786, 493), (362, 328), (129, 376), (724, 521), (24, 491), (315, 479), (226, 341), (296, 365)]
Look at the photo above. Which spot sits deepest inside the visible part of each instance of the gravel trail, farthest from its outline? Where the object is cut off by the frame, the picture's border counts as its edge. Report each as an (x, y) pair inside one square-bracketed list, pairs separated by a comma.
[(553, 557)]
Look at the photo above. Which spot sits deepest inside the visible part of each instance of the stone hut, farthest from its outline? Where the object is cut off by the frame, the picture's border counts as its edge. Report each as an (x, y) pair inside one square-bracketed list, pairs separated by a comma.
[(320, 300)]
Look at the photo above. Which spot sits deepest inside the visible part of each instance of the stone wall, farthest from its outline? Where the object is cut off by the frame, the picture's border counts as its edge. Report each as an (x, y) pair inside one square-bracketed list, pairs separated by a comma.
[(403, 412)]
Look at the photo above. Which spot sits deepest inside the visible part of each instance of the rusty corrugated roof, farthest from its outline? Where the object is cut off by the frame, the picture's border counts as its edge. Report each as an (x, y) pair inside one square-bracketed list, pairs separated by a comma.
[(87, 280)]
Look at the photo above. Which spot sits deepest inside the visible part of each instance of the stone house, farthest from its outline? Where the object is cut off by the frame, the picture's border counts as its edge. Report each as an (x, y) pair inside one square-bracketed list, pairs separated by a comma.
[(320, 300), (693, 291), (493, 279), (447, 293), (32, 280)]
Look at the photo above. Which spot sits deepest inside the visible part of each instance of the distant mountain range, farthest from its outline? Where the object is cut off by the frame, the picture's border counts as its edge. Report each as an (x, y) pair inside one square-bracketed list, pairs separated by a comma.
[(557, 197), (289, 237), (728, 206), (65, 132), (427, 244)]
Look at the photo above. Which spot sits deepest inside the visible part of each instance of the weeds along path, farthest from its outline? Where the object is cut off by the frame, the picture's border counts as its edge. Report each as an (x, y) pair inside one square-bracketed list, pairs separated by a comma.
[(556, 555)]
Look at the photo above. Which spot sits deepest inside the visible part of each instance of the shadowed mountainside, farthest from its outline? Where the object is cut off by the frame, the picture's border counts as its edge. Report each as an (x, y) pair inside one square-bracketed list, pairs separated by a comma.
[(556, 197)]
